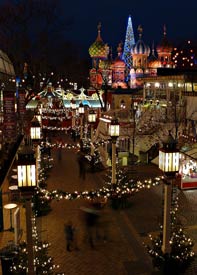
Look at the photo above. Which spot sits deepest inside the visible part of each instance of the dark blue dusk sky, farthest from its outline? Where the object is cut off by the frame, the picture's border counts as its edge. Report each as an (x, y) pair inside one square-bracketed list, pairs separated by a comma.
[(178, 16)]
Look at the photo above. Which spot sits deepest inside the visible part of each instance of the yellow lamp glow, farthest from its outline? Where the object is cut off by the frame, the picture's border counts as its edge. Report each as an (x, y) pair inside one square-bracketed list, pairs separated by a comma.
[(169, 157), (35, 130), (114, 128), (26, 168), (92, 116), (26, 175), (81, 108)]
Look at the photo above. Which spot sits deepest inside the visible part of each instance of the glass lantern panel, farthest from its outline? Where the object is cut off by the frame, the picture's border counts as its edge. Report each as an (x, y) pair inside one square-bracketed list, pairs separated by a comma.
[(169, 161), (26, 175), (114, 130)]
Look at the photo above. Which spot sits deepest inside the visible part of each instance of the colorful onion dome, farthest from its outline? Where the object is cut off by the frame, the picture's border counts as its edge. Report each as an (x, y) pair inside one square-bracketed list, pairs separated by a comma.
[(99, 49), (140, 47), (165, 45), (118, 62), (105, 64), (153, 61)]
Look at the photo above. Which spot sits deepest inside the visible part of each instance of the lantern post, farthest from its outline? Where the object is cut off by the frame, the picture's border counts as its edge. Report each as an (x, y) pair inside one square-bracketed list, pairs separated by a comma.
[(27, 182), (81, 113), (169, 164), (92, 120), (35, 129), (114, 132), (73, 107)]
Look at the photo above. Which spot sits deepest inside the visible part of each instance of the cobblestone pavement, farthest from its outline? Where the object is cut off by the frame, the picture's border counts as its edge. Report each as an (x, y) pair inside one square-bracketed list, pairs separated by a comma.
[(122, 251)]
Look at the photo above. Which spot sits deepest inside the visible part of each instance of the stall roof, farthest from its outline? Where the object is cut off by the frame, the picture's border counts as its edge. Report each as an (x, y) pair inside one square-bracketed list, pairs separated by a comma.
[(191, 153)]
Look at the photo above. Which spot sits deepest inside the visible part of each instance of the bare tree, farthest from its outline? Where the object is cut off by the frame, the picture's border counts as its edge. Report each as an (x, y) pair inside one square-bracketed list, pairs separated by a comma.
[(33, 31)]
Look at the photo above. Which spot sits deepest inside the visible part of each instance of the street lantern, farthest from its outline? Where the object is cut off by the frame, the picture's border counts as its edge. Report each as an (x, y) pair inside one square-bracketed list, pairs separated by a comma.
[(39, 117), (26, 168), (27, 182), (114, 128), (38, 114), (81, 113), (73, 104), (73, 107), (114, 132), (35, 129), (92, 116), (92, 120), (169, 157), (169, 164), (81, 108)]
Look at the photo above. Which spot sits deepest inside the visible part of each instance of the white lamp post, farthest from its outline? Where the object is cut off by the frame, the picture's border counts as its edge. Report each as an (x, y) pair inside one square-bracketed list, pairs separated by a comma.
[(92, 120), (134, 109), (35, 129), (169, 164), (27, 182), (114, 132), (81, 113), (38, 115), (73, 107)]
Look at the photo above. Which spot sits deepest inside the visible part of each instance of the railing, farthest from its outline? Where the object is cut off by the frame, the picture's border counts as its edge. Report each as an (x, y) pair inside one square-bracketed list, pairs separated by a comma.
[(10, 157), (189, 93)]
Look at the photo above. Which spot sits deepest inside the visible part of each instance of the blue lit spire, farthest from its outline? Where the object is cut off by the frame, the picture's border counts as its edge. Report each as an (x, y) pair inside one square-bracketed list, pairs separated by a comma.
[(129, 42)]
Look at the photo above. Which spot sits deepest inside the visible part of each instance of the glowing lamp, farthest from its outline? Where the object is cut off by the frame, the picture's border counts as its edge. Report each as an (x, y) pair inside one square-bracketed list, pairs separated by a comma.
[(114, 128), (73, 104), (26, 169), (169, 157), (81, 108), (39, 117), (35, 129), (92, 116)]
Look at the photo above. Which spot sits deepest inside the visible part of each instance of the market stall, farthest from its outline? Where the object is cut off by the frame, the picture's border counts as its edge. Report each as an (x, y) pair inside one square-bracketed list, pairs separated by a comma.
[(187, 178)]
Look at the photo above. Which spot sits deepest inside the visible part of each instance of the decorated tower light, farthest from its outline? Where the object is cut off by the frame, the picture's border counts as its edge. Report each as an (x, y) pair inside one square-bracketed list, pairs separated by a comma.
[(128, 44)]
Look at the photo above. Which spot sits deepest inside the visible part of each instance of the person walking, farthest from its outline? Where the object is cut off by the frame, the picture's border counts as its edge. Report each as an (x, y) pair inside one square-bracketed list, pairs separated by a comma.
[(69, 231), (82, 166)]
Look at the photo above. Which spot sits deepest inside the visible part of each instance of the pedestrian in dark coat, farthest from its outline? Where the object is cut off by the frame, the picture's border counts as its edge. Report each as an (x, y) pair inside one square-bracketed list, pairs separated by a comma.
[(69, 231), (82, 166)]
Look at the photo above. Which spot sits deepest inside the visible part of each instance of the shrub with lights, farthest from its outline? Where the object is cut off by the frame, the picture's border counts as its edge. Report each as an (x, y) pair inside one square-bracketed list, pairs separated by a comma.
[(43, 263), (120, 196), (181, 254), (41, 204)]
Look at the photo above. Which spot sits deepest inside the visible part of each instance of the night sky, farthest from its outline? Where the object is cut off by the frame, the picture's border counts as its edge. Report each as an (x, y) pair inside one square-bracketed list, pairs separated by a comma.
[(178, 16)]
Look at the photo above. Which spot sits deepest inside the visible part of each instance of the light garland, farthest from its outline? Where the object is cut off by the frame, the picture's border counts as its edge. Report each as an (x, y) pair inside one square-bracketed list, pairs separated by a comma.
[(110, 190), (128, 188)]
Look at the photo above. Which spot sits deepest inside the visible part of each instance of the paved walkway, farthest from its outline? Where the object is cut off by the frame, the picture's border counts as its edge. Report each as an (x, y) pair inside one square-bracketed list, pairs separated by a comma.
[(121, 252)]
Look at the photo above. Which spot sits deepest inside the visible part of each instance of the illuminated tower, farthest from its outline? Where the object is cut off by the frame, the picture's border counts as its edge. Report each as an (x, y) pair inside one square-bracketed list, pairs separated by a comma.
[(164, 50), (99, 52), (129, 43)]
